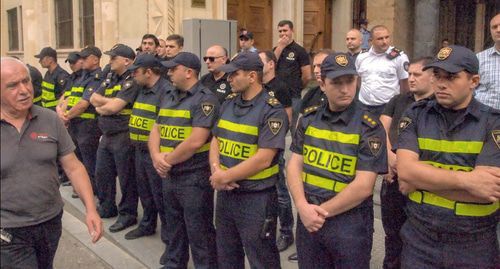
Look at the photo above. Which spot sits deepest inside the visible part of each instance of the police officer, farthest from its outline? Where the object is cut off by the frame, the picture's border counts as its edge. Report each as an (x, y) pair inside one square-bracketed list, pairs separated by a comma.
[(80, 114), (353, 41), (338, 150), (383, 71), (147, 74), (115, 154), (278, 89), (36, 81), (448, 157), (392, 200), (54, 80), (179, 144), (244, 155), (216, 80)]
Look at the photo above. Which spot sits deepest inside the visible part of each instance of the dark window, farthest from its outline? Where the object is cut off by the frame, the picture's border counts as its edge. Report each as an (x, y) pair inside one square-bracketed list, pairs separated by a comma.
[(64, 23), (86, 23), (13, 29)]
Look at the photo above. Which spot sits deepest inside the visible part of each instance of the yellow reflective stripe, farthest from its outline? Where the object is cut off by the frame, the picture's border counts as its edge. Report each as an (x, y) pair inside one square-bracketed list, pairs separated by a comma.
[(87, 116), (460, 209), (73, 100), (77, 89), (48, 85), (235, 149), (238, 128), (330, 161), (332, 135), (126, 111), (449, 166), (139, 137), (175, 133), (471, 147), (110, 91), (173, 113), (141, 123), (48, 95), (204, 148), (67, 93), (266, 173), (37, 99), (49, 104), (323, 182), (143, 106)]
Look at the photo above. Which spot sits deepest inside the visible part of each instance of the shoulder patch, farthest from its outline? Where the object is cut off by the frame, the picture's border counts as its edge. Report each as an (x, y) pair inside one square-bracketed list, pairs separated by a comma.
[(394, 53), (406, 65), (207, 108), (403, 123), (275, 125), (368, 120), (273, 101), (231, 96), (375, 144), (310, 110), (62, 81), (496, 137), (127, 84)]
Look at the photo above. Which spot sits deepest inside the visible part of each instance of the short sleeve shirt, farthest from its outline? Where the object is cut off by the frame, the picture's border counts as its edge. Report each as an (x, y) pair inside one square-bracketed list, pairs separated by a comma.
[(488, 90), (395, 109), (380, 76), (221, 87), (280, 91), (30, 186), (292, 59)]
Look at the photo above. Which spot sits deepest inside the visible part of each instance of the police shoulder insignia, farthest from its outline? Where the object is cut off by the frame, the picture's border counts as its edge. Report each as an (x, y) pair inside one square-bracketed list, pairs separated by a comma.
[(406, 65), (394, 53), (369, 120), (231, 96), (127, 84), (275, 125), (271, 93), (310, 109), (273, 101), (97, 76), (62, 81), (496, 137), (375, 144), (403, 123), (207, 108)]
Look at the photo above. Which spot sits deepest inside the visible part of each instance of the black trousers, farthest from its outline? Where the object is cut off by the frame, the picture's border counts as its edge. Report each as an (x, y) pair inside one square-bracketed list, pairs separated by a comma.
[(32, 246), (240, 217)]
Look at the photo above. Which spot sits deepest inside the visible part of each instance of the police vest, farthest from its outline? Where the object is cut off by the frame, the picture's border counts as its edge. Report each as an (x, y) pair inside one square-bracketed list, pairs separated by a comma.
[(457, 152), (51, 88), (76, 94), (238, 141), (145, 111), (111, 124), (330, 152), (175, 125)]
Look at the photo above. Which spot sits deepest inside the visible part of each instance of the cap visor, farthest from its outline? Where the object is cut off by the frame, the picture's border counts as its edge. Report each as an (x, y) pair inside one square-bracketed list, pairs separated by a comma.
[(38, 56), (228, 68), (336, 74), (169, 64), (133, 67), (110, 53), (445, 66)]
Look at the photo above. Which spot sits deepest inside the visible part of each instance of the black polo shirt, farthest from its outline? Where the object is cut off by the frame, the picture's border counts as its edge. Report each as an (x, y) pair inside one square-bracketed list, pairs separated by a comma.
[(220, 87), (395, 109), (30, 186), (292, 59), (314, 97), (280, 91)]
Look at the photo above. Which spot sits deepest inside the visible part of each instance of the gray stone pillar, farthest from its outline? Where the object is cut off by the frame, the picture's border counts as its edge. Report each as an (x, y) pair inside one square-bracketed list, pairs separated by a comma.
[(426, 27)]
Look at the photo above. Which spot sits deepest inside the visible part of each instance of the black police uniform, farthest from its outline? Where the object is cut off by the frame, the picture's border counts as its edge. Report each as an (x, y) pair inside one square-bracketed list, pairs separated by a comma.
[(187, 194), (441, 233), (36, 81), (149, 183), (246, 216), (83, 128), (314, 98), (335, 145), (221, 87), (53, 86), (115, 154)]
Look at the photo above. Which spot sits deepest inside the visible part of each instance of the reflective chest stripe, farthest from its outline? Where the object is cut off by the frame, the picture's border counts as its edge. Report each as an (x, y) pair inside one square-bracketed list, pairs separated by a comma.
[(330, 161), (332, 135), (111, 91), (467, 147), (139, 137), (174, 113), (37, 99), (75, 96), (141, 123), (323, 182), (460, 209), (48, 96), (48, 85), (145, 107), (176, 133), (238, 127), (236, 150)]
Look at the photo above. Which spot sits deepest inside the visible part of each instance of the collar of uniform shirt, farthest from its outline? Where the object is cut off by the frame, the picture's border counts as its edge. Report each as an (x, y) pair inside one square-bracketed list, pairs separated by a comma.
[(247, 103), (344, 115), (473, 108), (372, 51)]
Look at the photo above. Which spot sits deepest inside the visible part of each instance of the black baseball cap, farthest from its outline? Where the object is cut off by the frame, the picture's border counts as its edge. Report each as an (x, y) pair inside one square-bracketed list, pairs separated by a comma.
[(47, 51), (186, 59), (121, 50), (336, 65), (145, 60), (454, 59), (246, 34), (72, 57), (249, 61), (90, 50)]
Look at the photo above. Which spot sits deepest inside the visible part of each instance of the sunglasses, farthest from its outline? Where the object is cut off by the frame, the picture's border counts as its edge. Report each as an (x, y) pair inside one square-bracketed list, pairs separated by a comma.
[(211, 58)]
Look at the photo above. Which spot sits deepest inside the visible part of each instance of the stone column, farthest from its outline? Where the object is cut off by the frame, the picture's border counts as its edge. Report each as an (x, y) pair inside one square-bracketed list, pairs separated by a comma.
[(426, 27)]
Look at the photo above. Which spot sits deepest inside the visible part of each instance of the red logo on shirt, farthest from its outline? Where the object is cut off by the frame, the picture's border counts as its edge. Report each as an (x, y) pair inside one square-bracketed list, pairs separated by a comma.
[(36, 136)]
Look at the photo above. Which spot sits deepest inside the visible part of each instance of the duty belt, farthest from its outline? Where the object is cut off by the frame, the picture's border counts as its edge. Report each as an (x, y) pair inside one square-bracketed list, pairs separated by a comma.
[(323, 182), (460, 209)]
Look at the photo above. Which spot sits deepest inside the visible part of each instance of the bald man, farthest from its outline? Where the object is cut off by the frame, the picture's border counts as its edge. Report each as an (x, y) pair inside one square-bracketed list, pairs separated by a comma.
[(353, 41), (215, 80)]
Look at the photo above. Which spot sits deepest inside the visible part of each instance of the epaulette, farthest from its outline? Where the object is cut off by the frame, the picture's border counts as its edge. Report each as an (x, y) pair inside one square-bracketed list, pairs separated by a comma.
[(394, 53), (127, 84), (97, 76), (273, 101), (368, 120), (310, 110), (231, 96), (271, 93)]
